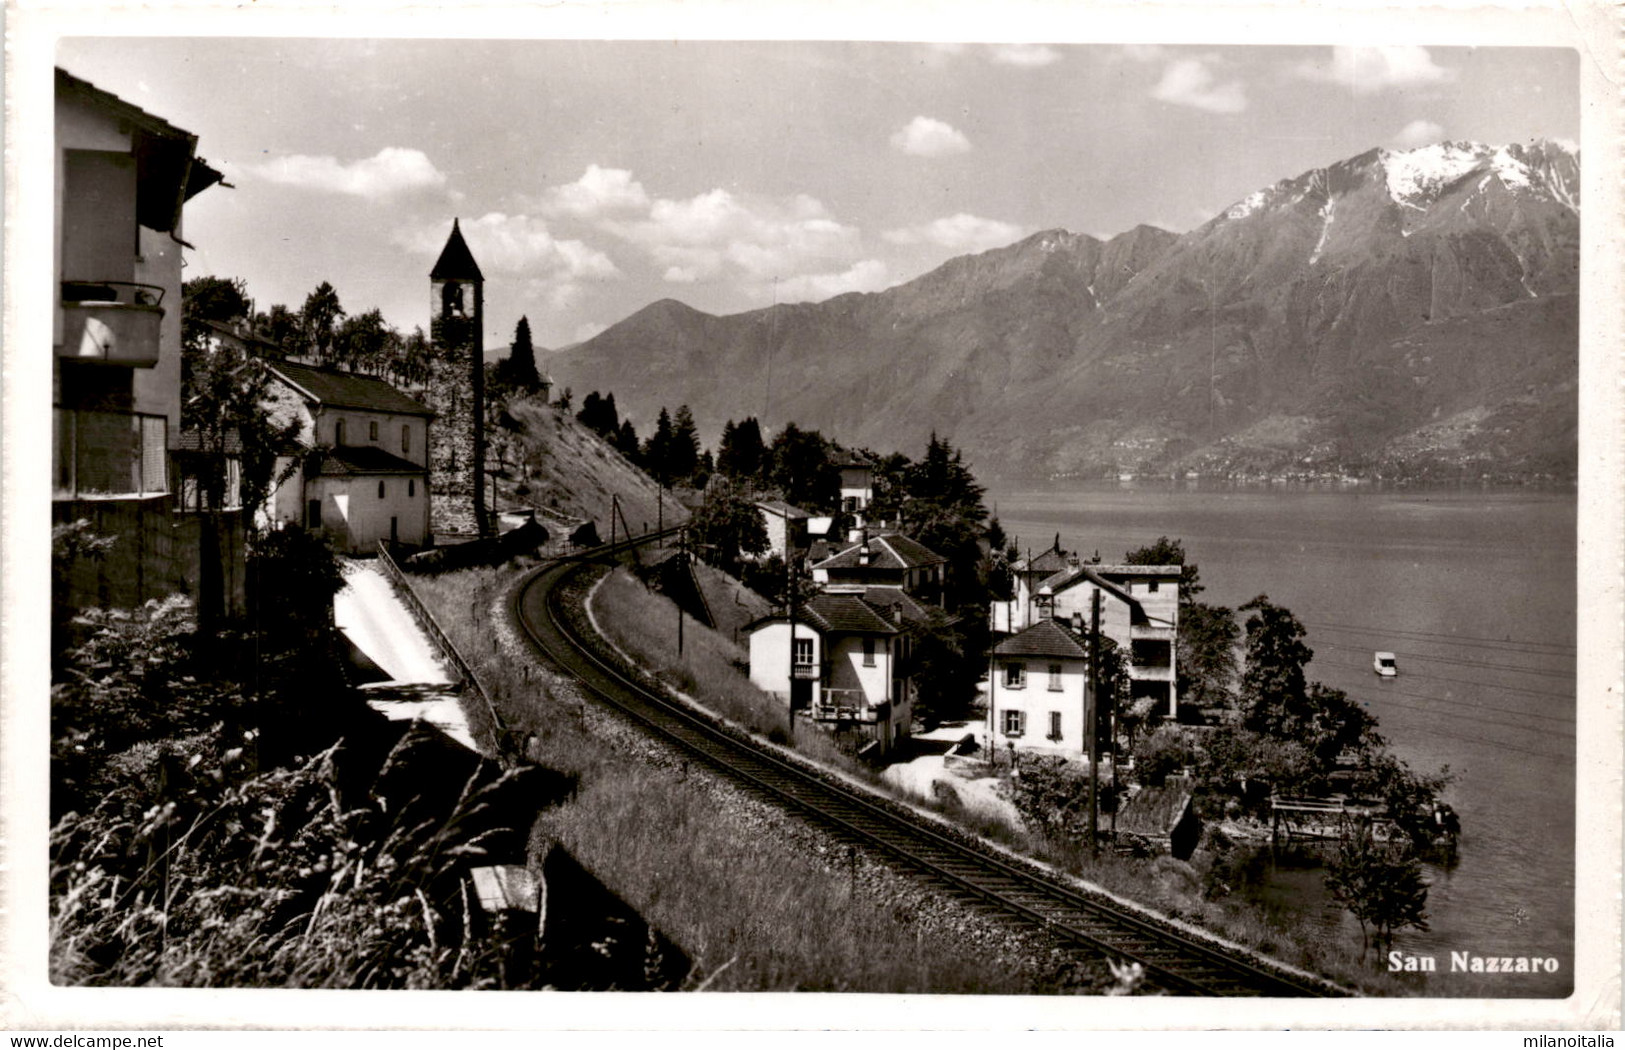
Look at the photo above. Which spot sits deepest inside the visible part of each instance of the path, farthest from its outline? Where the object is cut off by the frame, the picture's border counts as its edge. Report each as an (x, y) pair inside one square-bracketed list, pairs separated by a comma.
[(415, 683)]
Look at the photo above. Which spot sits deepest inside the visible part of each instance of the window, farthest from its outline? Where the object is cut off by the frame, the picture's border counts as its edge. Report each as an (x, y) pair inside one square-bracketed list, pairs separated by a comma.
[(803, 651), (1152, 586), (1055, 725), (1015, 723), (380, 490), (1055, 677), (372, 430), (338, 432), (1015, 676), (411, 487), (406, 438), (868, 652)]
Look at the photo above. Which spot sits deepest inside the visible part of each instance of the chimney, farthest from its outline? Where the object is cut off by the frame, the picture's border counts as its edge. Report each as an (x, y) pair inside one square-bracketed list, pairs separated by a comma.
[(1077, 621), (897, 613)]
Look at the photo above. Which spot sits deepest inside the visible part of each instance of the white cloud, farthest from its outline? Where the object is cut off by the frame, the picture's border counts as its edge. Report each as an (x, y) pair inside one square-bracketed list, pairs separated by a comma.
[(927, 137), (1189, 82), (1028, 55), (1366, 70), (1419, 133), (392, 170), (554, 270), (1144, 52), (600, 191), (758, 239), (866, 275), (960, 233)]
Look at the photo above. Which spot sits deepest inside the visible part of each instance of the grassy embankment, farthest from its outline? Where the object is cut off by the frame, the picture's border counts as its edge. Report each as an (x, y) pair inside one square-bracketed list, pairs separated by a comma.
[(710, 671), (759, 900)]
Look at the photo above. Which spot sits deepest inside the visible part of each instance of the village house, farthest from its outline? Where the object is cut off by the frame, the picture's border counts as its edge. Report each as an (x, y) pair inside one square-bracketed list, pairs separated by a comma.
[(360, 471), (786, 527), (1139, 610), (1038, 692), (122, 179), (848, 665), (857, 490), (885, 560)]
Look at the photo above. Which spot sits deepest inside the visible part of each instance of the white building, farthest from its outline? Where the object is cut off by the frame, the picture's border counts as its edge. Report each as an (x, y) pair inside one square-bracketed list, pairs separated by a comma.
[(1139, 610), (360, 472), (786, 527), (850, 658), (1038, 693)]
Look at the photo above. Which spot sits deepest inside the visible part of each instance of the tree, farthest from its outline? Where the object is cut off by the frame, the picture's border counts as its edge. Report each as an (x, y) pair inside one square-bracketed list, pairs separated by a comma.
[(683, 457), (1382, 887), (725, 526), (363, 342), (319, 319), (657, 450), (799, 466), (740, 453), (1273, 686), (626, 440), (1206, 647), (219, 299), (944, 670), (1169, 552), (520, 366), (282, 327)]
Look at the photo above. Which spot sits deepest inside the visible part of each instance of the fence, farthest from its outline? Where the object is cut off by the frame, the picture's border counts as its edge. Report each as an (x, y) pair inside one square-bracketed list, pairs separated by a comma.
[(495, 730)]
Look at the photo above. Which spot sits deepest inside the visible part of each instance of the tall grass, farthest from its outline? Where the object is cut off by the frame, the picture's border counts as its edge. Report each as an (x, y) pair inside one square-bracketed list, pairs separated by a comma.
[(760, 901)]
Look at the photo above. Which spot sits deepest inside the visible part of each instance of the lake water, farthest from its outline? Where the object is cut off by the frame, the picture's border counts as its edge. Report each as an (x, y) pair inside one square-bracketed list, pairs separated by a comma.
[(1474, 590)]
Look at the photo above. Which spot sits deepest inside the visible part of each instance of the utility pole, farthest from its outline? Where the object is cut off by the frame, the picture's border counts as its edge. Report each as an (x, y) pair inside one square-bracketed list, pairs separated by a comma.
[(614, 509), (682, 562), (1092, 718), (790, 591)]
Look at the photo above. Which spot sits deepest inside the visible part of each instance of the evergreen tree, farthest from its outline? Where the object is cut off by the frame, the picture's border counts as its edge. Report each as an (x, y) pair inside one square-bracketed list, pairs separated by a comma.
[(521, 362), (740, 453), (626, 441), (657, 449), (800, 467), (684, 457)]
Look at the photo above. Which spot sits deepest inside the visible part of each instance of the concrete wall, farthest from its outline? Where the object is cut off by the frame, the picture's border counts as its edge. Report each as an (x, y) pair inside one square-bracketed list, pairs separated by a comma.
[(156, 553), (847, 669), (1038, 699)]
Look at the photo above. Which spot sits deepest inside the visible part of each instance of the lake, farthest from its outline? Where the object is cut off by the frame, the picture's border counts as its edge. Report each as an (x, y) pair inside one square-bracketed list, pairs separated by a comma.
[(1474, 591)]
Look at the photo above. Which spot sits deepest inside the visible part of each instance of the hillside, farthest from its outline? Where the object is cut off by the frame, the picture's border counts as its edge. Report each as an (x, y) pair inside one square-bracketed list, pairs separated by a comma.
[(552, 461), (1403, 313)]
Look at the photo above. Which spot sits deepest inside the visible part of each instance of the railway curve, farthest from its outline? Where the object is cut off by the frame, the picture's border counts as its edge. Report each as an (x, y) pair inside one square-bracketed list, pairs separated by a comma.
[(998, 886)]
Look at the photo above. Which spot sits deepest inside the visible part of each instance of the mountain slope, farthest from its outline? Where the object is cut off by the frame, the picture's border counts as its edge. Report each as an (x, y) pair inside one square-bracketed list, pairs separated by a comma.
[(1408, 312)]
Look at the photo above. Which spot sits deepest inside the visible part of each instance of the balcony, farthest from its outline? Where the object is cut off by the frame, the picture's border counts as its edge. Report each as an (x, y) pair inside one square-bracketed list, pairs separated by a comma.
[(111, 322), (847, 705), (108, 454)]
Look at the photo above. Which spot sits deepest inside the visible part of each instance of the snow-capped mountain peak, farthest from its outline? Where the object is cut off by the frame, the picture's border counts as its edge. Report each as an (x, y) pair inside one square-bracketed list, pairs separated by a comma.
[(1416, 177)]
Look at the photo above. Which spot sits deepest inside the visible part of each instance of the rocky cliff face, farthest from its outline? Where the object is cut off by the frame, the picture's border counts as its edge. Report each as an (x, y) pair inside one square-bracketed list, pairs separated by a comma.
[(1397, 312)]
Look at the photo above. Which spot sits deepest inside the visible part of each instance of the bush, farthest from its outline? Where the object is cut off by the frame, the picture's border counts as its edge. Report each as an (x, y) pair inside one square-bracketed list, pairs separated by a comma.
[(1165, 752), (1381, 886)]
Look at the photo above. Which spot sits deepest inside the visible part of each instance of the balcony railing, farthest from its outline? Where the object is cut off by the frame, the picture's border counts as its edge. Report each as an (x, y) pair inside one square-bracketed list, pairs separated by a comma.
[(846, 705), (111, 322), (109, 454)]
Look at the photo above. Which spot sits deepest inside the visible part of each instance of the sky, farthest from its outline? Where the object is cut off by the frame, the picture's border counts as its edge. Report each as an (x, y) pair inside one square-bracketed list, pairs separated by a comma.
[(593, 178)]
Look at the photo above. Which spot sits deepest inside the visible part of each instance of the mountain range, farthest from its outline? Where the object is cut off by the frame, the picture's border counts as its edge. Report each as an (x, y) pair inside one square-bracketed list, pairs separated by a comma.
[(1399, 313)]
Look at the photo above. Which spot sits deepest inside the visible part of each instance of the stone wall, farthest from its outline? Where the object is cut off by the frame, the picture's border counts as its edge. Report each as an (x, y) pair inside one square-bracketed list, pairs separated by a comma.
[(156, 552)]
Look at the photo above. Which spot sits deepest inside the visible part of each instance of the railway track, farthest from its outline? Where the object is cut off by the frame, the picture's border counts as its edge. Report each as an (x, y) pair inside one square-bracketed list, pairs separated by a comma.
[(1003, 891)]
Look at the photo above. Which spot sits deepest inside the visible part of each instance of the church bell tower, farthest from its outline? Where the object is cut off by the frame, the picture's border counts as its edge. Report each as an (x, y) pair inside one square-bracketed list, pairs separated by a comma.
[(458, 308)]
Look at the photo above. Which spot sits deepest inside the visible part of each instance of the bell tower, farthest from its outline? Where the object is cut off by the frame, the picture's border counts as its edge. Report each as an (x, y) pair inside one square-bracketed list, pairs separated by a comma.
[(458, 308)]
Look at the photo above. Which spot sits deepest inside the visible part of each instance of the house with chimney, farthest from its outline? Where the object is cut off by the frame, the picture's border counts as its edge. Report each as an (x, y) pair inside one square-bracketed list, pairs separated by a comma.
[(886, 560), (1139, 610), (1039, 695), (123, 177), (843, 658), (358, 470)]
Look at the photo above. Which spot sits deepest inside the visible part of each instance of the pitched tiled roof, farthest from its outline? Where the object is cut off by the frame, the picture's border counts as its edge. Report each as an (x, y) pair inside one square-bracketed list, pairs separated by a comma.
[(365, 459), (849, 614), (328, 386), (456, 262), (1044, 638), (914, 610), (1052, 560), (1079, 573), (782, 509), (886, 552), (846, 458)]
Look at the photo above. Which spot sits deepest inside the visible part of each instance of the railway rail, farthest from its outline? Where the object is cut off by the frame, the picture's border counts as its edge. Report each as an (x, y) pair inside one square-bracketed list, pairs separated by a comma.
[(999, 888)]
